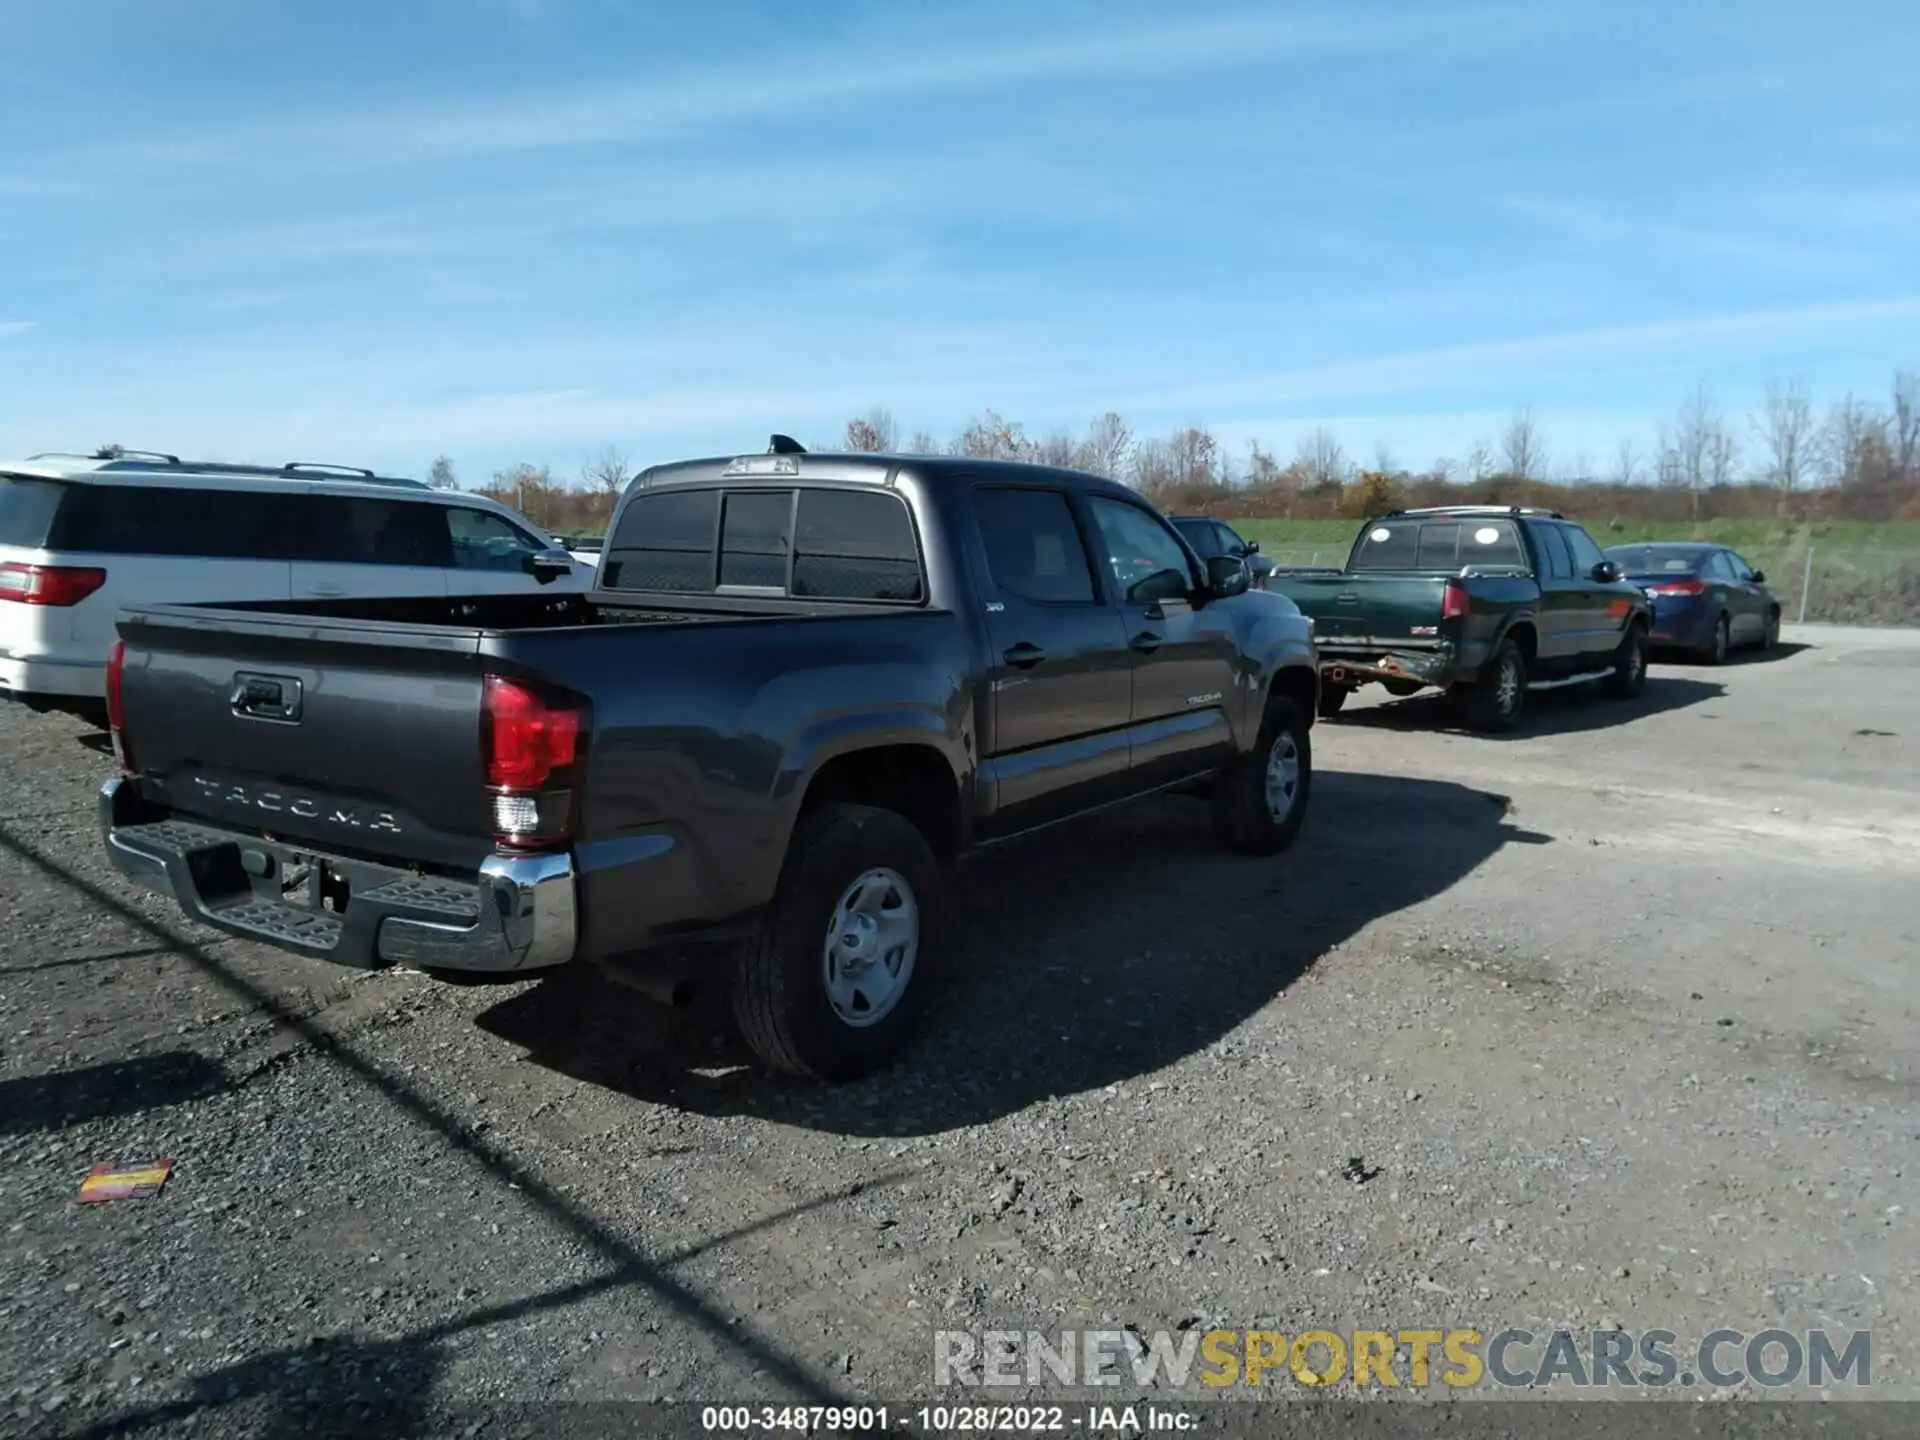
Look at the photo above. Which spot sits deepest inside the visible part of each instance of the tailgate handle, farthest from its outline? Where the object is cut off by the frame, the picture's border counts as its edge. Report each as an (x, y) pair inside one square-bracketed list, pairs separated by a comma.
[(1347, 597), (265, 697)]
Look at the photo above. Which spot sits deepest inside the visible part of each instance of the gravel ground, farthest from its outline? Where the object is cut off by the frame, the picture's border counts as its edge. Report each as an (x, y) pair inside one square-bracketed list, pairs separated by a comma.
[(1617, 1016)]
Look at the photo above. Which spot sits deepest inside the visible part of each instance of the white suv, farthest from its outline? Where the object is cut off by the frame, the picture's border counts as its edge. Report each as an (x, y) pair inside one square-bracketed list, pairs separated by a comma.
[(80, 536)]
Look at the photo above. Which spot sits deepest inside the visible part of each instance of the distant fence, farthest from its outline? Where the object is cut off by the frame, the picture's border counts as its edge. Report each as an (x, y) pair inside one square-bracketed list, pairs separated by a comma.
[(1839, 585)]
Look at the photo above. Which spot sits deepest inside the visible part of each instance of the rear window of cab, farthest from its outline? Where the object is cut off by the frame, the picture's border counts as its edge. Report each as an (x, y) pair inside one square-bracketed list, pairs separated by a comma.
[(814, 543), (1452, 543)]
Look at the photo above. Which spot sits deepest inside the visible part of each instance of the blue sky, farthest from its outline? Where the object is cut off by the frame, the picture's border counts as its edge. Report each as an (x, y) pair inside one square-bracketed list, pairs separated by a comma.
[(523, 229)]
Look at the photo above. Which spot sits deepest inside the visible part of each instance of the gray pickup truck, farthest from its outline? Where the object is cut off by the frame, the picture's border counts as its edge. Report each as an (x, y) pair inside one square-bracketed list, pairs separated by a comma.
[(802, 686)]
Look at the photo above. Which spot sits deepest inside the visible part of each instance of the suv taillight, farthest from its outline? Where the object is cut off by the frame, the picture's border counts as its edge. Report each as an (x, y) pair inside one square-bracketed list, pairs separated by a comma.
[(531, 739), (49, 584), (1454, 603), (116, 708)]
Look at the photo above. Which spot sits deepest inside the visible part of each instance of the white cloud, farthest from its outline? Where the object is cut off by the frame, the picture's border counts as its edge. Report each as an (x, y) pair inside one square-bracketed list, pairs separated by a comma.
[(11, 328), (653, 109)]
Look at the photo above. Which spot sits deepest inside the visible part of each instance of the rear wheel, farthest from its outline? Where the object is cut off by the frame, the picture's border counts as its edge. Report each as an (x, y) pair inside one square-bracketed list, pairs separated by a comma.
[(1332, 698), (831, 985), (1261, 801), (1717, 647), (1629, 675), (1494, 699)]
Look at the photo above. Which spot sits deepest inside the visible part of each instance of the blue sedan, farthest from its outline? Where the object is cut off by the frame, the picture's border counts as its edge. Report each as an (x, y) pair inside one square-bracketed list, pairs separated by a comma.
[(1706, 599)]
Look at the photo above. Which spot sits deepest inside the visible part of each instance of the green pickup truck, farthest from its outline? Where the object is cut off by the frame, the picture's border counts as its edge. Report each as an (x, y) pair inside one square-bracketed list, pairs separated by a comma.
[(1487, 601)]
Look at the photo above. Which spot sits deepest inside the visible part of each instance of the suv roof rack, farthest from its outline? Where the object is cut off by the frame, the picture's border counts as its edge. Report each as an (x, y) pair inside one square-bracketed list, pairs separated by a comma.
[(1477, 510), (120, 461)]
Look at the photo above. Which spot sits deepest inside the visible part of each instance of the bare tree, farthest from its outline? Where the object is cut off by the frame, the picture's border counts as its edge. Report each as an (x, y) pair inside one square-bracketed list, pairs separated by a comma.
[(1263, 470), (1383, 460), (1320, 459), (1723, 453), (1108, 443), (1854, 448), (1785, 427), (872, 433), (1195, 456), (1443, 469), (1058, 449), (1689, 450), (1523, 450), (1626, 463), (606, 473), (1906, 424), (992, 438), (922, 444), (1479, 461), (440, 474), (1153, 467)]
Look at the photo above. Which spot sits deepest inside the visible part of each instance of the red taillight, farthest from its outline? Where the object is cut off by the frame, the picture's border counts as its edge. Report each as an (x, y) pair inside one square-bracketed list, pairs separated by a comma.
[(116, 708), (1454, 603), (49, 584), (530, 740), (1692, 585)]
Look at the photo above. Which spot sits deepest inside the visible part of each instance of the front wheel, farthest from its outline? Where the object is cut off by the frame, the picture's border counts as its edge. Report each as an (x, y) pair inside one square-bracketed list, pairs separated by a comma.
[(1770, 637), (831, 985), (1493, 700), (1261, 801), (1629, 675)]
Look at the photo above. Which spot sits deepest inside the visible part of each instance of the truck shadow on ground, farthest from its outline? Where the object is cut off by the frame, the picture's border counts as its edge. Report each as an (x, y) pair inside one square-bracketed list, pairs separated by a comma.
[(107, 1091), (1569, 711), (1078, 959)]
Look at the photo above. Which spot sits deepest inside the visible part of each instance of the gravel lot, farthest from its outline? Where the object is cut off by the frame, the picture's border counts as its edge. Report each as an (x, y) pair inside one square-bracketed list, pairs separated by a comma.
[(1621, 1010)]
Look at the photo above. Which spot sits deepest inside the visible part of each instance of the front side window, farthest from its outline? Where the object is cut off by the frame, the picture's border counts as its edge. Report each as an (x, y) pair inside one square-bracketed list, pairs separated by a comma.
[(1586, 554), (1203, 535), (1147, 562), (483, 540), (1231, 541), (1553, 552)]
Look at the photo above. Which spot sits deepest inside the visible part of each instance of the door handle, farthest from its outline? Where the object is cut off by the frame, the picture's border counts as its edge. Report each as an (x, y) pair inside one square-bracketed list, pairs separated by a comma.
[(329, 592), (1146, 642), (1023, 656)]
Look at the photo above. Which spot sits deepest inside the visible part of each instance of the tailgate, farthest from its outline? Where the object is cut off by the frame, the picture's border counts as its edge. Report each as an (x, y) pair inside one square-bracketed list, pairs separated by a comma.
[(351, 735), (1362, 608)]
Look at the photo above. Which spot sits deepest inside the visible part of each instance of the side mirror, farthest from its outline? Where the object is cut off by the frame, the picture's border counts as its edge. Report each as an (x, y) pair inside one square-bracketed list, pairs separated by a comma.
[(1227, 576), (546, 566), (1253, 547), (1759, 577), (1606, 572)]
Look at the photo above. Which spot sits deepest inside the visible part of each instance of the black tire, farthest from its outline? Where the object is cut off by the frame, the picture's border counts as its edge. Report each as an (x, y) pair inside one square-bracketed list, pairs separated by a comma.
[(1629, 677), (1332, 698), (1401, 689), (1716, 649), (1496, 696), (779, 990), (1770, 637), (1242, 816)]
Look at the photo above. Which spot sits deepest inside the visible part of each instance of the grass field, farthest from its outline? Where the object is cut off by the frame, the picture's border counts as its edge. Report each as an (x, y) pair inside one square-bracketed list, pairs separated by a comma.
[(1855, 572)]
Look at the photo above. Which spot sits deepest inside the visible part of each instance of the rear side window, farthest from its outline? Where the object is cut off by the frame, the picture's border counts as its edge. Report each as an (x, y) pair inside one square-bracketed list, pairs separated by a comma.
[(198, 522), (339, 530), (1033, 547), (1553, 552), (27, 510), (828, 544)]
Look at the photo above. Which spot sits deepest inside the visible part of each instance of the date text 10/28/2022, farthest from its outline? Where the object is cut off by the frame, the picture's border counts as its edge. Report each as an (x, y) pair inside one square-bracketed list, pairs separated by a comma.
[(948, 1419)]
